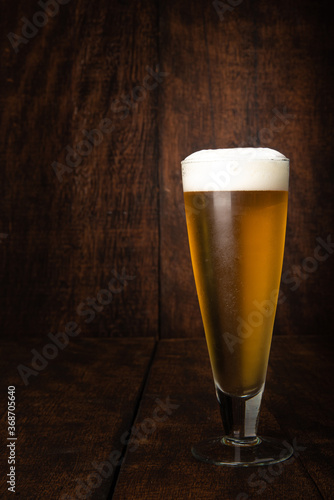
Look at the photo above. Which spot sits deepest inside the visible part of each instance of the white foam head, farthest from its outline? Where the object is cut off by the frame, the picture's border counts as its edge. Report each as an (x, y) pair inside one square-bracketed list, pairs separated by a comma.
[(236, 169)]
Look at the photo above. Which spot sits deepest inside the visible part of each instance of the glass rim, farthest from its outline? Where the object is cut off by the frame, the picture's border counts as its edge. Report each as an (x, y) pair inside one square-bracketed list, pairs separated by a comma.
[(224, 160)]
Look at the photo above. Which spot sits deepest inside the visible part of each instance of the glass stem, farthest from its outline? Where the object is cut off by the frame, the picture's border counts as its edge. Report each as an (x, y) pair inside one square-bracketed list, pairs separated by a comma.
[(240, 417)]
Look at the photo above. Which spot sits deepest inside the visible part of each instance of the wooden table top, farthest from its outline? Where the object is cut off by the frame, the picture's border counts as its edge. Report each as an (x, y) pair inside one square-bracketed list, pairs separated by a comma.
[(74, 417)]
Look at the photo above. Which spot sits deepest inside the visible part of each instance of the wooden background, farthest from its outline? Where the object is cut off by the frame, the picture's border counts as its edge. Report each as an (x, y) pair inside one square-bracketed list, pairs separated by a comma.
[(238, 73)]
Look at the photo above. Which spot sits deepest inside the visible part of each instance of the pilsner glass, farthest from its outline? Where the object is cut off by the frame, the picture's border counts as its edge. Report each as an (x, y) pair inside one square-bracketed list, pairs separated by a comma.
[(236, 209)]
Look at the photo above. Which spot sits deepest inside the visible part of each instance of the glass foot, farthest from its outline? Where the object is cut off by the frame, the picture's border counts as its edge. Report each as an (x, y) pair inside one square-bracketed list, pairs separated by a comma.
[(262, 451)]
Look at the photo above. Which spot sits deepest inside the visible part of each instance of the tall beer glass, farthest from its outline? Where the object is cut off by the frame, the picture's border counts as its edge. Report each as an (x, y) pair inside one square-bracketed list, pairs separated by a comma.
[(236, 209)]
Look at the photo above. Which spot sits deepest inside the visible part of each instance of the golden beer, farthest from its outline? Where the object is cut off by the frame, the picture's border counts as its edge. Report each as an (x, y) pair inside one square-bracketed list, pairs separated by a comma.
[(237, 242)]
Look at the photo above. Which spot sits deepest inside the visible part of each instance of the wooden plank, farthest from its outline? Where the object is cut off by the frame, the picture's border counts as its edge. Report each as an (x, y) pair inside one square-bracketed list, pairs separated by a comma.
[(251, 74), (67, 233), (208, 102), (71, 416), (294, 82), (227, 74), (161, 465), (185, 125), (211, 103), (306, 409)]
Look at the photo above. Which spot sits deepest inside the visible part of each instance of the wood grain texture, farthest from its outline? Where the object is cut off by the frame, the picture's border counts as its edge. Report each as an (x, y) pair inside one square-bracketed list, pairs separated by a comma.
[(67, 233), (72, 415), (238, 74), (162, 465), (306, 410), (185, 125), (295, 73), (257, 74)]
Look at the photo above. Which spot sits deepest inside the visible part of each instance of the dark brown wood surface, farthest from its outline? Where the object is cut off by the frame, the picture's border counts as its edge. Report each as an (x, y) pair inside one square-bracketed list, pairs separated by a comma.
[(258, 75), (304, 404), (297, 406), (67, 232), (229, 74), (71, 416), (76, 416)]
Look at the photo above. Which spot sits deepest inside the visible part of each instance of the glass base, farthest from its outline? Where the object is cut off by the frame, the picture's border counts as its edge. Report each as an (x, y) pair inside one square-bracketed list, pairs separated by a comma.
[(233, 453)]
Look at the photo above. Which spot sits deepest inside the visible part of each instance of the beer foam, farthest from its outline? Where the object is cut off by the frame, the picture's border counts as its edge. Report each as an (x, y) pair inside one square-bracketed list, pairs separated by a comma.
[(236, 169)]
